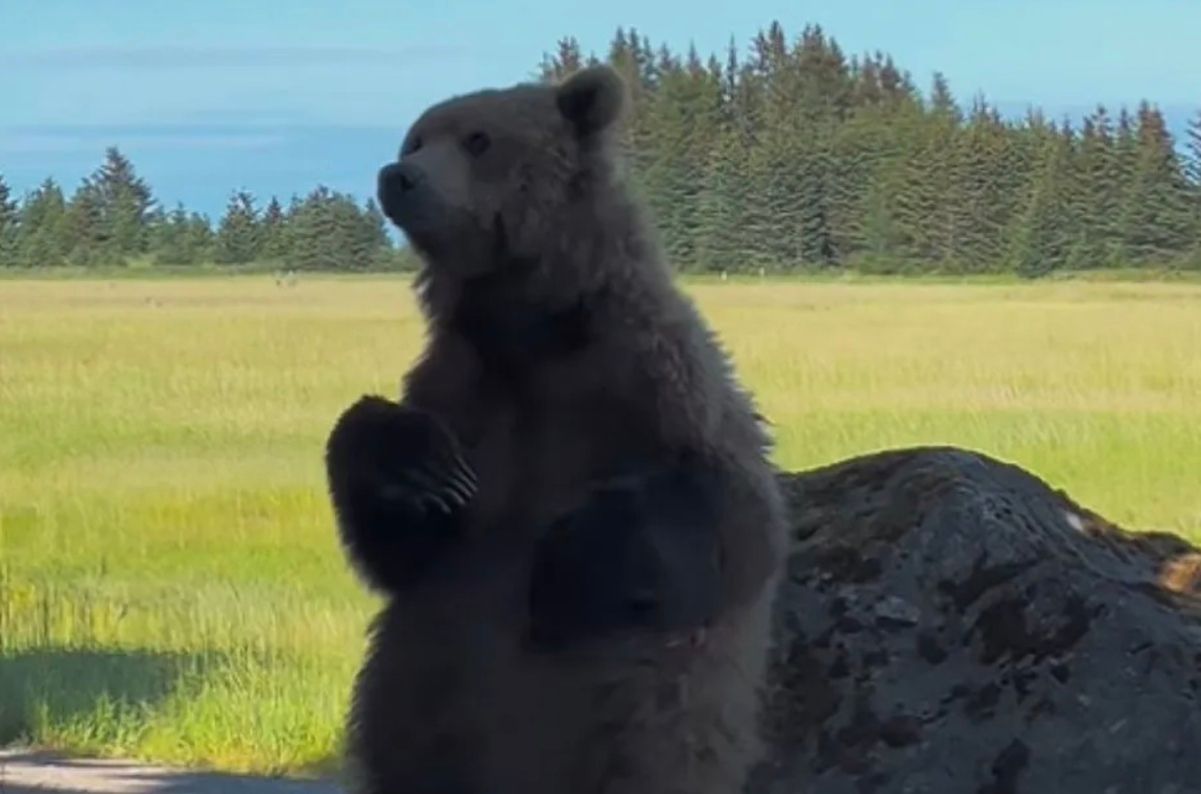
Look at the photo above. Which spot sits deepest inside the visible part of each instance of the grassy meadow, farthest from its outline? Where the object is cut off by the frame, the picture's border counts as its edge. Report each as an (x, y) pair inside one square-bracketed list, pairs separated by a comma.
[(170, 583)]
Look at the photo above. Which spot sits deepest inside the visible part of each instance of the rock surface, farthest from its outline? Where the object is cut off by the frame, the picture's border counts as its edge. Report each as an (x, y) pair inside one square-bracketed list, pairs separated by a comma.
[(952, 625)]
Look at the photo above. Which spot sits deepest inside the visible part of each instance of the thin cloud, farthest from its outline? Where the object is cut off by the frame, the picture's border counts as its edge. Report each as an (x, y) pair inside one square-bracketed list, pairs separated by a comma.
[(208, 57), (59, 141)]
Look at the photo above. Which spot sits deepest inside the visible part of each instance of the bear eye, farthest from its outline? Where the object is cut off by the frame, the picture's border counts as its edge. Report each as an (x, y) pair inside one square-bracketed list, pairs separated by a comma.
[(477, 143), (413, 146)]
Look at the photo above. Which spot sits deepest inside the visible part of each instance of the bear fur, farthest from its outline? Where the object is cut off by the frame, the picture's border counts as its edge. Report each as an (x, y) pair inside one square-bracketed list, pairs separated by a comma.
[(570, 513)]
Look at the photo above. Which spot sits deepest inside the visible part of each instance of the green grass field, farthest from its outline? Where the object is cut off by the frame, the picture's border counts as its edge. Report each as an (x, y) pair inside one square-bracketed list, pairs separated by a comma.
[(170, 583)]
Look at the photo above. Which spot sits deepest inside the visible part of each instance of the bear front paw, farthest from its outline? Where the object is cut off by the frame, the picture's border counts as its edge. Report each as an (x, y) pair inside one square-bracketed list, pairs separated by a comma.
[(398, 455), (399, 482)]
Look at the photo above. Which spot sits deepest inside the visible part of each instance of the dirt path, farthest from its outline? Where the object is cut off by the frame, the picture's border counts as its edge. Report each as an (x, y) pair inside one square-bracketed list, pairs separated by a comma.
[(27, 772)]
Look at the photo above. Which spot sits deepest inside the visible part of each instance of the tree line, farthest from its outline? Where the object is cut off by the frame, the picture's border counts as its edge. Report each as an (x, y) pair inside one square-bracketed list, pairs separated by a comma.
[(790, 156), (112, 219), (794, 156)]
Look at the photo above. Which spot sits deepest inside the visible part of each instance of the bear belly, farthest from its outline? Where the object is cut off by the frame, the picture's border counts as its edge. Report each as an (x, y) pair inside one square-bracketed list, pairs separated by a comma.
[(460, 705)]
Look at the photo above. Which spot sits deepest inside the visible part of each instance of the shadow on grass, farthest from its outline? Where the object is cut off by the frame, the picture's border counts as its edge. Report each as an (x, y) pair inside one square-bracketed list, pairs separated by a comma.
[(59, 686), (105, 694)]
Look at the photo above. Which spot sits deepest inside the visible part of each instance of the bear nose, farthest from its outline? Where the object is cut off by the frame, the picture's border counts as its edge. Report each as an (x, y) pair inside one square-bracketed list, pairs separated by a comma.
[(395, 180)]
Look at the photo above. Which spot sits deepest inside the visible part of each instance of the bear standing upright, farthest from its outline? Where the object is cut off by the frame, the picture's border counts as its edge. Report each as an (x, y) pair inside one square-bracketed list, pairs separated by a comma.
[(571, 511)]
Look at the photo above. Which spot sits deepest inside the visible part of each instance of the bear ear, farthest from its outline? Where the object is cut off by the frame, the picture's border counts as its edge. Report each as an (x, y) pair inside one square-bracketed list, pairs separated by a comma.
[(591, 99)]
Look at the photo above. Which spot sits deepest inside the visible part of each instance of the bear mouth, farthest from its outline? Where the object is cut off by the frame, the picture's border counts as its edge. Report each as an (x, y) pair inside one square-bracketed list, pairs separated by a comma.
[(452, 243)]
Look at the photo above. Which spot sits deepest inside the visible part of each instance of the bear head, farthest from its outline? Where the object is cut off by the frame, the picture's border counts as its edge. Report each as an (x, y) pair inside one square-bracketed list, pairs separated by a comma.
[(489, 179)]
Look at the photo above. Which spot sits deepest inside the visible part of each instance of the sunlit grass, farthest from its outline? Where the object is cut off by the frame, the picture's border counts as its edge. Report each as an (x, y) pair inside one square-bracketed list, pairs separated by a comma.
[(170, 582)]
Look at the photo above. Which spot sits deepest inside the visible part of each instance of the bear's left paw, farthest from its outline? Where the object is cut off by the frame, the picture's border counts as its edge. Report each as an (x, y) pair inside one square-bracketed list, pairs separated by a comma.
[(622, 563)]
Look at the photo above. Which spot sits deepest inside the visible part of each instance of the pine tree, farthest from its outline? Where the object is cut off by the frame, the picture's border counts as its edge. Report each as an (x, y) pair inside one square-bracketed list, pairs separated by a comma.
[(882, 250), (88, 233), (1194, 174), (1193, 145), (725, 238), (329, 231), (1043, 238), (9, 220), (363, 234), (918, 198), (857, 148), (566, 60), (874, 147), (201, 241), (273, 243), (1157, 218), (681, 122), (897, 86), (942, 101), (375, 245), (1125, 157), (815, 201), (183, 239), (982, 214), (125, 202), (772, 211), (1098, 189), (43, 238), (821, 75), (172, 243), (238, 238)]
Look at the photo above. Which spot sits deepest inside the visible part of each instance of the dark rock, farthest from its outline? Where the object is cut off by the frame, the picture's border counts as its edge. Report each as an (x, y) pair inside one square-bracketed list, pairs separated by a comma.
[(950, 624)]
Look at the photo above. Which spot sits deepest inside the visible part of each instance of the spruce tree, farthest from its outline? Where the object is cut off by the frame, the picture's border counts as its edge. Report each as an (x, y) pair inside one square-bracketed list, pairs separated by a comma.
[(171, 246), (373, 237), (980, 153), (201, 241), (238, 238), (877, 146), (942, 101), (9, 218), (815, 201), (273, 234), (43, 238), (1194, 178), (682, 118), (721, 213), (918, 198), (866, 91), (314, 228), (772, 212), (125, 202), (1157, 218), (1125, 157), (329, 231), (1193, 145), (896, 85), (1042, 239), (88, 232), (1099, 189), (856, 152), (566, 60)]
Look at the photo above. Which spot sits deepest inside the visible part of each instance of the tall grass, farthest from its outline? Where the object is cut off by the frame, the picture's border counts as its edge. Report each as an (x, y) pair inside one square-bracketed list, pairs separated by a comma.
[(170, 583)]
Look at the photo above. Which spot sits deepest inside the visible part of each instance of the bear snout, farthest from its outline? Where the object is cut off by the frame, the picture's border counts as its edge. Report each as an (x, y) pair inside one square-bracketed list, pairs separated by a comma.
[(397, 182)]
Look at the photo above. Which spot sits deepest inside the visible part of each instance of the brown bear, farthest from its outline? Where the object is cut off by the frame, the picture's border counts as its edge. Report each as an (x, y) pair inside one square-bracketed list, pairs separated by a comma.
[(571, 512)]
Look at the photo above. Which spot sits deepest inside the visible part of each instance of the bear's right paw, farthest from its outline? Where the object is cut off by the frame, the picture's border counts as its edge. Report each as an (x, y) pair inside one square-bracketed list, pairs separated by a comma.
[(398, 457)]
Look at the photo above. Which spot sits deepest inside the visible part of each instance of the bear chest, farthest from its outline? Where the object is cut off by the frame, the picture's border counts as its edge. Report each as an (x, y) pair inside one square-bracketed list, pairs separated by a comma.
[(539, 458)]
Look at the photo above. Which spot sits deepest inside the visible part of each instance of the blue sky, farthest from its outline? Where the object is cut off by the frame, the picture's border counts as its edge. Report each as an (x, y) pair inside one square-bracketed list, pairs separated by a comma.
[(275, 97)]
